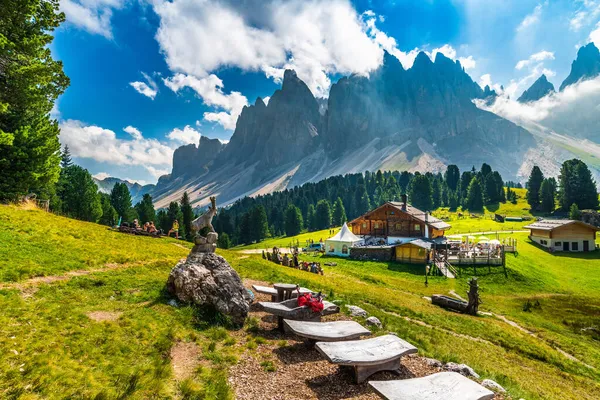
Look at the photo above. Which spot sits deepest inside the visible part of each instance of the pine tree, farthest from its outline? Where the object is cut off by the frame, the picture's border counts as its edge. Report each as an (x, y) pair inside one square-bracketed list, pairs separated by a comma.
[(293, 220), (224, 242), (109, 214), (363, 204), (30, 82), (577, 186), (339, 213), (574, 212), (323, 215), (436, 194), (491, 191), (120, 198), (500, 196), (547, 196), (259, 223), (187, 215), (452, 177), (245, 229), (311, 218), (145, 210), (79, 194), (485, 169), (163, 221), (474, 201), (419, 193), (65, 158), (533, 188)]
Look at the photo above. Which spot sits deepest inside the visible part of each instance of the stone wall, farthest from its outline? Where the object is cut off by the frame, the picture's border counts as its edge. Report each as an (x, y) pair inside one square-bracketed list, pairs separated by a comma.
[(372, 253)]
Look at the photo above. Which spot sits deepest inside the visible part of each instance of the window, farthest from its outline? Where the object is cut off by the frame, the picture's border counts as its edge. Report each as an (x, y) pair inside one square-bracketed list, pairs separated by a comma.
[(575, 246), (344, 249), (376, 225), (398, 227), (331, 249), (558, 244), (417, 227), (544, 242), (364, 225)]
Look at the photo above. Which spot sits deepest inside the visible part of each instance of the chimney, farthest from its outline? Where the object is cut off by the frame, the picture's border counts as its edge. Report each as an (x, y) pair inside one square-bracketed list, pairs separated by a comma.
[(403, 197)]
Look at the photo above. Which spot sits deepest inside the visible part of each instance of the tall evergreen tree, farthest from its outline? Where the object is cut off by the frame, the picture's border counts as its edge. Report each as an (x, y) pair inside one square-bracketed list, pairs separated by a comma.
[(224, 242), (436, 194), (474, 200), (577, 186), (574, 212), (500, 196), (163, 222), (547, 196), (79, 194), (109, 214), (259, 223), (491, 190), (452, 177), (65, 158), (120, 198), (363, 204), (245, 229), (30, 82), (339, 213), (323, 215), (293, 220), (533, 188), (145, 210), (187, 214), (311, 218), (419, 193)]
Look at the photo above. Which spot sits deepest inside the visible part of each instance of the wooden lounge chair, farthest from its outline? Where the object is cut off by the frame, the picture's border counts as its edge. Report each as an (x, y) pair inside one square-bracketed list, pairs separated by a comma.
[(334, 331), (440, 386), (273, 292), (367, 356), (289, 310)]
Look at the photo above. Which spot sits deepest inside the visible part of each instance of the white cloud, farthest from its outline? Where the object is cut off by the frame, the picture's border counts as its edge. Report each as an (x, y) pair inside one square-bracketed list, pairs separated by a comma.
[(587, 13), (574, 111), (595, 35), (101, 176), (93, 16), (156, 172), (210, 89), (148, 88), (535, 58), (134, 132), (102, 145), (531, 19), (186, 136)]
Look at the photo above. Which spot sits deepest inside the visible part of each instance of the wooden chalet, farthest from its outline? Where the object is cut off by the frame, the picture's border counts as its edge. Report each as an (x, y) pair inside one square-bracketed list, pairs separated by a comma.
[(398, 220), (563, 235)]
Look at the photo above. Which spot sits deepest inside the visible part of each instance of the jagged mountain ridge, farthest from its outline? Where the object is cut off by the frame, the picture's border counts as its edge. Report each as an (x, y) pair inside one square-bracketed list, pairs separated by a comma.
[(136, 190), (540, 88), (421, 118), (585, 66)]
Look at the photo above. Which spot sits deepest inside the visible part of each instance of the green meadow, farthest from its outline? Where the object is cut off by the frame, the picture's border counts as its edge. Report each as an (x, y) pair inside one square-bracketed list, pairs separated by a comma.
[(536, 338)]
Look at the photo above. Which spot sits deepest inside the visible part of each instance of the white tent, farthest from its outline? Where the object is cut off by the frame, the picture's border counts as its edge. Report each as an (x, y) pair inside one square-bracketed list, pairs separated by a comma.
[(339, 245)]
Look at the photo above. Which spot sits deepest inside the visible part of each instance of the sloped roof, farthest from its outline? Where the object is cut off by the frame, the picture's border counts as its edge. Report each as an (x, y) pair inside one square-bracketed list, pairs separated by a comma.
[(345, 235), (426, 244), (551, 224), (414, 212)]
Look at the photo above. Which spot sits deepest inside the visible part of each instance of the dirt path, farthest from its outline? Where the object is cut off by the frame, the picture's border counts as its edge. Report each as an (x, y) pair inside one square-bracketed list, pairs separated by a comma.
[(29, 286)]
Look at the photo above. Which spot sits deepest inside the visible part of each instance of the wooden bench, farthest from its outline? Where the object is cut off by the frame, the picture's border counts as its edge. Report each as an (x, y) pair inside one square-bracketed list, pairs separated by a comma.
[(440, 386), (273, 292), (334, 331), (367, 356), (289, 310)]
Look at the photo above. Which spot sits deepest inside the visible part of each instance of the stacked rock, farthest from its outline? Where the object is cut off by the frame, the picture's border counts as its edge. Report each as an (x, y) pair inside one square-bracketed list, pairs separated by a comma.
[(206, 244)]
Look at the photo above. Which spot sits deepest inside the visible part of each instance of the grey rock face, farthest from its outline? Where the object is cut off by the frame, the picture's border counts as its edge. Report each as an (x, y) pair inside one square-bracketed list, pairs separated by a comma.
[(490, 384), (208, 279), (356, 311), (585, 66), (432, 362), (192, 159), (540, 88), (462, 369), (374, 321)]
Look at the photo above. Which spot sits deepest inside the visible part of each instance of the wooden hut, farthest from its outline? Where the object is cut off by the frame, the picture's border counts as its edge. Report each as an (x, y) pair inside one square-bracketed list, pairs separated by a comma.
[(563, 235), (414, 252)]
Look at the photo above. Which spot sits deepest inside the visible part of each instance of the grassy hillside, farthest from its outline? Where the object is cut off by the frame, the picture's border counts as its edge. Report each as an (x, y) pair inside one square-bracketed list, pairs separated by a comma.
[(35, 243), (111, 333), (548, 354)]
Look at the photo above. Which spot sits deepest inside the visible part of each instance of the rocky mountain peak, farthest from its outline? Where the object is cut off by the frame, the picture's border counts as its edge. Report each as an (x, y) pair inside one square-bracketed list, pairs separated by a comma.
[(540, 88), (585, 66), (189, 159)]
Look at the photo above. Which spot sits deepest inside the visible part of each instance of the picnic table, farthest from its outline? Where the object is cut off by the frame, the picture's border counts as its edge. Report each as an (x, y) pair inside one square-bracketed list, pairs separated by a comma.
[(284, 291)]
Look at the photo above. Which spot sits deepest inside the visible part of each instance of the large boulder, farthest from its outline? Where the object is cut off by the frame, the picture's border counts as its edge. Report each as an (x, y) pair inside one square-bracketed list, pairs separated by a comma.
[(206, 278)]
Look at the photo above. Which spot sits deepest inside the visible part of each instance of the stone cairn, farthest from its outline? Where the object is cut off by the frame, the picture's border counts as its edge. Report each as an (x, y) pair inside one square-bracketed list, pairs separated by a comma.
[(205, 278)]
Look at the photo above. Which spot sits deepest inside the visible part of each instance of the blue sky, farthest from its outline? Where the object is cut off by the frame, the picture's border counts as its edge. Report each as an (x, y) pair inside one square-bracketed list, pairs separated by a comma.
[(150, 75)]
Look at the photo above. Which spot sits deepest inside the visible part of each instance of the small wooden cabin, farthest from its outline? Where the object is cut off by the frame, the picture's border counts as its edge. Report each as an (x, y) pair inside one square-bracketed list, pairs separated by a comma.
[(398, 219), (414, 252), (563, 235)]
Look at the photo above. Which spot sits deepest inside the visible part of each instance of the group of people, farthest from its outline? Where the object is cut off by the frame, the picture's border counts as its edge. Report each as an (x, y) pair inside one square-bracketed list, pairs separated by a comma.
[(293, 261), (152, 229)]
